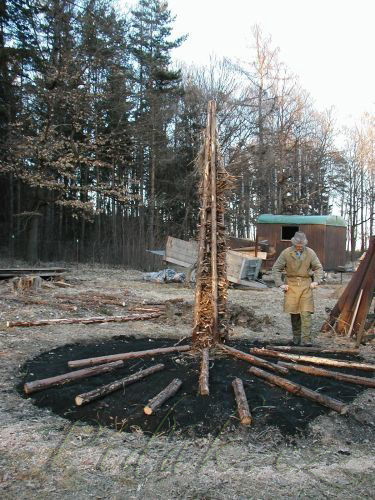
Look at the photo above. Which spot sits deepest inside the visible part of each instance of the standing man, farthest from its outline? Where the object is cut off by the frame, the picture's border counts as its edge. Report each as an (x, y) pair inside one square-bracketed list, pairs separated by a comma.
[(304, 272)]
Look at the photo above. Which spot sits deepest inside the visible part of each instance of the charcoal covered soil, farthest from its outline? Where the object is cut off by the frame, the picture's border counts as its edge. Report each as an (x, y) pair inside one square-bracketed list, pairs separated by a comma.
[(45, 454)]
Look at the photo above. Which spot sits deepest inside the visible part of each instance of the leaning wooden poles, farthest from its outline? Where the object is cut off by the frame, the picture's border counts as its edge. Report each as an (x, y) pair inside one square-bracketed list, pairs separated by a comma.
[(349, 314), (209, 327), (211, 283)]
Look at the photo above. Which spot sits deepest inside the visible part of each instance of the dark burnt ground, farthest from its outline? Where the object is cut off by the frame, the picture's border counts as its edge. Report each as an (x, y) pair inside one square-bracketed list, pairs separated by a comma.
[(186, 412)]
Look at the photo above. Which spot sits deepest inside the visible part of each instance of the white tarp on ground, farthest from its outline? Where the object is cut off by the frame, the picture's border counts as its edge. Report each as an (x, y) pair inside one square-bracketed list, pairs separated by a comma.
[(165, 276)]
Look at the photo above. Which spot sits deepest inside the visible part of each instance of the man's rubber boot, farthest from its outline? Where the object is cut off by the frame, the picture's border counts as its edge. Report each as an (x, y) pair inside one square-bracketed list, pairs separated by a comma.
[(306, 322), (296, 328)]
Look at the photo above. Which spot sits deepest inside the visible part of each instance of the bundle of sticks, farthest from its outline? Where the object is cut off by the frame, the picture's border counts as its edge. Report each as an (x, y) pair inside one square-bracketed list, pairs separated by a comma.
[(211, 281), (349, 315)]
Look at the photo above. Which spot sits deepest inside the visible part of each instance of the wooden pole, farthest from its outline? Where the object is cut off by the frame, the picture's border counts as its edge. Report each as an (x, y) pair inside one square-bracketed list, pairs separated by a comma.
[(253, 359), (321, 372), (341, 313), (163, 396), (368, 286), (300, 390), (313, 359), (355, 313), (85, 321), (202, 230), (214, 274), (241, 400), (65, 378), (104, 390), (204, 389), (317, 350), (125, 356)]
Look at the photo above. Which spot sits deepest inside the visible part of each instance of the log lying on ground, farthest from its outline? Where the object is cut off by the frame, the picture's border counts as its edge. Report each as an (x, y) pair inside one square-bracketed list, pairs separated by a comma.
[(62, 284), (313, 359), (241, 400), (297, 349), (104, 390), (125, 356), (204, 389), (85, 321), (321, 372), (145, 309), (45, 383), (163, 396), (300, 390), (253, 359)]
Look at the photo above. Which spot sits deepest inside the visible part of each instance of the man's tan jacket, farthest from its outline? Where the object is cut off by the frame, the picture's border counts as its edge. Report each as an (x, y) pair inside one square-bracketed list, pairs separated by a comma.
[(300, 272)]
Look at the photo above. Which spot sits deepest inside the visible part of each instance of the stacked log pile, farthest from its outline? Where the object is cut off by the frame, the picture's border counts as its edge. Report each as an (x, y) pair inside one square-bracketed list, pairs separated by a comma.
[(349, 315)]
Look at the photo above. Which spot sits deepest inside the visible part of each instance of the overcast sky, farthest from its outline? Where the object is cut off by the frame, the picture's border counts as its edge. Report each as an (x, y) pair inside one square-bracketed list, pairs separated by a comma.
[(329, 44)]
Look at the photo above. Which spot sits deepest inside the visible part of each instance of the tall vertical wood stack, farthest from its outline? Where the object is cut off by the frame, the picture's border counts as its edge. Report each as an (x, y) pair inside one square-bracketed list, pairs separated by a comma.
[(349, 315), (211, 281)]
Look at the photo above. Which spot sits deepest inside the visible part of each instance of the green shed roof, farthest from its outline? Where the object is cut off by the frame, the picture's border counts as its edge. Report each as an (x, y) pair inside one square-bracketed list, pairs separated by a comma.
[(326, 220)]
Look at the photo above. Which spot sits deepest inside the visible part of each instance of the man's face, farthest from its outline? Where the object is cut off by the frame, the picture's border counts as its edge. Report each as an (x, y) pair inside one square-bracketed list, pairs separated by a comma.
[(299, 247)]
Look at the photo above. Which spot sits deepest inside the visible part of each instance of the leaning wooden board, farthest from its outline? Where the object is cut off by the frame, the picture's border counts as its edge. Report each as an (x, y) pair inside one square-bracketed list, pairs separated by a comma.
[(239, 267)]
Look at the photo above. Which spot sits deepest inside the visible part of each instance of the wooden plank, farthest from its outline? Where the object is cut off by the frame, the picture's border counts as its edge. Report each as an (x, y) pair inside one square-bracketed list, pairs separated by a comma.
[(254, 285), (251, 253), (177, 262), (181, 250), (32, 269), (185, 253)]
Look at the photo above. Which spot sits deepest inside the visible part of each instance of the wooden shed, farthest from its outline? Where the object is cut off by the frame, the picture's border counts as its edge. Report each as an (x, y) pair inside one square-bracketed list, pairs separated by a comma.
[(326, 235)]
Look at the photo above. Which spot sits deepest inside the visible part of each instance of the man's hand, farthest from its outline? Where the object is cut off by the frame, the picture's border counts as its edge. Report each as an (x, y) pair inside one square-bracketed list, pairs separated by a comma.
[(313, 285), (284, 288)]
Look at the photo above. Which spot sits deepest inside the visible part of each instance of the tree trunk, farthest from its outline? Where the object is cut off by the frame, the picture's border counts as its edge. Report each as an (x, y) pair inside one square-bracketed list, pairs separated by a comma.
[(32, 244)]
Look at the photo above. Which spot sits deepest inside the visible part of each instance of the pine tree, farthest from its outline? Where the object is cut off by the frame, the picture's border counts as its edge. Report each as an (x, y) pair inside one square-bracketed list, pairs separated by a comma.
[(156, 89)]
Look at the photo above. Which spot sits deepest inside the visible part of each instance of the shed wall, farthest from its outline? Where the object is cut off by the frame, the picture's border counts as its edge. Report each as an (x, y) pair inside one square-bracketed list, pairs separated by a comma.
[(327, 241), (335, 247)]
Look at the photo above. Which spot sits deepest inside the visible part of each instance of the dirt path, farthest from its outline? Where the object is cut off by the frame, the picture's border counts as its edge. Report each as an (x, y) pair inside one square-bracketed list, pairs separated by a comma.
[(43, 455)]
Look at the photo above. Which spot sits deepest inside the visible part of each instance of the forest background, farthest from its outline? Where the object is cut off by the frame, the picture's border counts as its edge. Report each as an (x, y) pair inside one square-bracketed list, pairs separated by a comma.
[(99, 132)]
